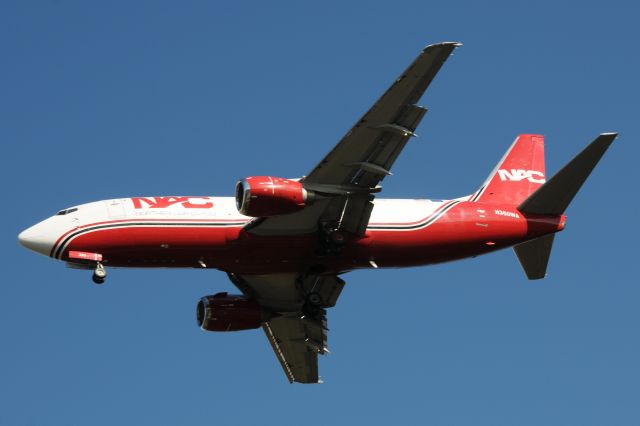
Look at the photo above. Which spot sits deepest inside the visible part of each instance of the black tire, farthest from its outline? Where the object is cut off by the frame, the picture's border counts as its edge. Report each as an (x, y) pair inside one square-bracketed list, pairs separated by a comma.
[(337, 238), (98, 280), (314, 299)]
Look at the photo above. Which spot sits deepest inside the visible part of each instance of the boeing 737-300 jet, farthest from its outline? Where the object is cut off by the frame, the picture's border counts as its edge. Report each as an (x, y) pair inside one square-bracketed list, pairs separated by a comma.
[(285, 243)]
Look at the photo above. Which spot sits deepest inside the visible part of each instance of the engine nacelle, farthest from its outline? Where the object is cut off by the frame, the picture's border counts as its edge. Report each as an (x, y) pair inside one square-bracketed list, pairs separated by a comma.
[(262, 196), (228, 312)]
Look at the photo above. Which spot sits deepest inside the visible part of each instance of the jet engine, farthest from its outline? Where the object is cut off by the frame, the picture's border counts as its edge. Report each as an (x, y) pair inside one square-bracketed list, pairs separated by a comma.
[(228, 312), (262, 196)]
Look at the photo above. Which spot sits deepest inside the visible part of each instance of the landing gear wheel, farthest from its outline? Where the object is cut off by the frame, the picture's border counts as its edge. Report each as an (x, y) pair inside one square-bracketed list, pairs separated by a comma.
[(337, 238), (99, 274), (332, 240), (314, 299), (313, 304)]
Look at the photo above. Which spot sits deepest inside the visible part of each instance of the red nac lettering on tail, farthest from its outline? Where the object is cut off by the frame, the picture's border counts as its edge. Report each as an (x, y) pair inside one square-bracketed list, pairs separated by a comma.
[(517, 175)]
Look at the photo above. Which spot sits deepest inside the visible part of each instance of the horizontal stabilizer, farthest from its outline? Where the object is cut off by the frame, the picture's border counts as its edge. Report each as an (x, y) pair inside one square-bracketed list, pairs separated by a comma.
[(534, 256), (554, 196)]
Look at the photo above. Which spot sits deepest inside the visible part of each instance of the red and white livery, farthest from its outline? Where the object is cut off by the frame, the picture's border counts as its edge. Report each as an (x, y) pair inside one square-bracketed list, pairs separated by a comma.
[(285, 243)]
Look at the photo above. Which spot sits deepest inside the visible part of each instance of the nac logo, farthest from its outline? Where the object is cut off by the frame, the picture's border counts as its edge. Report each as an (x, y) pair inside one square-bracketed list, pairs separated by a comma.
[(164, 202), (516, 175)]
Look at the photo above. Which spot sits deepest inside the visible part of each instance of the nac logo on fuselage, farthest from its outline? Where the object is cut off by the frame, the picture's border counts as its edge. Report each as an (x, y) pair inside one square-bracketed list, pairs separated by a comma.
[(164, 202), (516, 175)]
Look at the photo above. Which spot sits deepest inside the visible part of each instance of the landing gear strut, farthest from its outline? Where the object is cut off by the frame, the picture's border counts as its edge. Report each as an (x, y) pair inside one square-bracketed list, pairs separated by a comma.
[(99, 274), (314, 299), (332, 240), (313, 304)]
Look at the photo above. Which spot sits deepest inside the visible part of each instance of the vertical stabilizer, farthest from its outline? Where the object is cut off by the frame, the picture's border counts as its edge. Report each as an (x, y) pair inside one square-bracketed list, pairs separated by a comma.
[(518, 174)]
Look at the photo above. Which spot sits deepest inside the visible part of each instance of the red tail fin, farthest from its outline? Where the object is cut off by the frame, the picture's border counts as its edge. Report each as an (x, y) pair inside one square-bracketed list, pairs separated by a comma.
[(517, 175)]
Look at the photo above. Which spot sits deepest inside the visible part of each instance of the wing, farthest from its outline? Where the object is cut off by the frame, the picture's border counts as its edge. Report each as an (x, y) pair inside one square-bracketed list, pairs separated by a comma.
[(297, 343), (348, 176), (297, 332)]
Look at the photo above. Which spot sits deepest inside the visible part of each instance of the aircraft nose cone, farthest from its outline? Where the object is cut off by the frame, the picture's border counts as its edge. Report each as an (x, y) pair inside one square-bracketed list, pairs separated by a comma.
[(36, 239)]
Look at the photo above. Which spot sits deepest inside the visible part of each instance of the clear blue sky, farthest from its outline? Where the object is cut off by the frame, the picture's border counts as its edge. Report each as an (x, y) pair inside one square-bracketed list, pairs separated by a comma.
[(110, 99)]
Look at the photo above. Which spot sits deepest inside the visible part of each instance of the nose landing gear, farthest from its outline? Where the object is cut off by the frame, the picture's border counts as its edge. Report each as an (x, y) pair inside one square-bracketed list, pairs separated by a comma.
[(85, 259), (99, 274)]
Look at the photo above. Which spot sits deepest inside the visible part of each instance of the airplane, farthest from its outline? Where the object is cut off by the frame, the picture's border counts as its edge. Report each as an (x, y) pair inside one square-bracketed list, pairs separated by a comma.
[(285, 243)]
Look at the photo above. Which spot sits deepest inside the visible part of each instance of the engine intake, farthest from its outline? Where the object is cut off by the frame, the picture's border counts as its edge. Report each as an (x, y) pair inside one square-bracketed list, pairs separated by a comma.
[(225, 312), (263, 196)]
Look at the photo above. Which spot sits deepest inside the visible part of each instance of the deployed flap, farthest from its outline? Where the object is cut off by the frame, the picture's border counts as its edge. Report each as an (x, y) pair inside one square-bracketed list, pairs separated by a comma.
[(351, 172), (534, 256), (297, 334), (554, 197)]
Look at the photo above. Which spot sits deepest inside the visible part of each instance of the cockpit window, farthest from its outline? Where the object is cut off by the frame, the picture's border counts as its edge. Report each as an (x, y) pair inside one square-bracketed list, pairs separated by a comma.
[(66, 211)]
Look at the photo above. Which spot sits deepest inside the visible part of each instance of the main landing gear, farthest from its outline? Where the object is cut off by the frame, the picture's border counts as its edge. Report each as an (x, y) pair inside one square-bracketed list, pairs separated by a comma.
[(99, 274), (313, 305), (314, 299), (85, 260), (332, 240)]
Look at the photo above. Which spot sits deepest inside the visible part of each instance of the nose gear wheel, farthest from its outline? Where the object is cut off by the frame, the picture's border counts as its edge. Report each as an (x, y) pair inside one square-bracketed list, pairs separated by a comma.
[(99, 274)]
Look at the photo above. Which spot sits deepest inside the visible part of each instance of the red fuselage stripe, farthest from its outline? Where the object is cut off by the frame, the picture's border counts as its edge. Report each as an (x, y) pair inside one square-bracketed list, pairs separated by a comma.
[(239, 222)]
